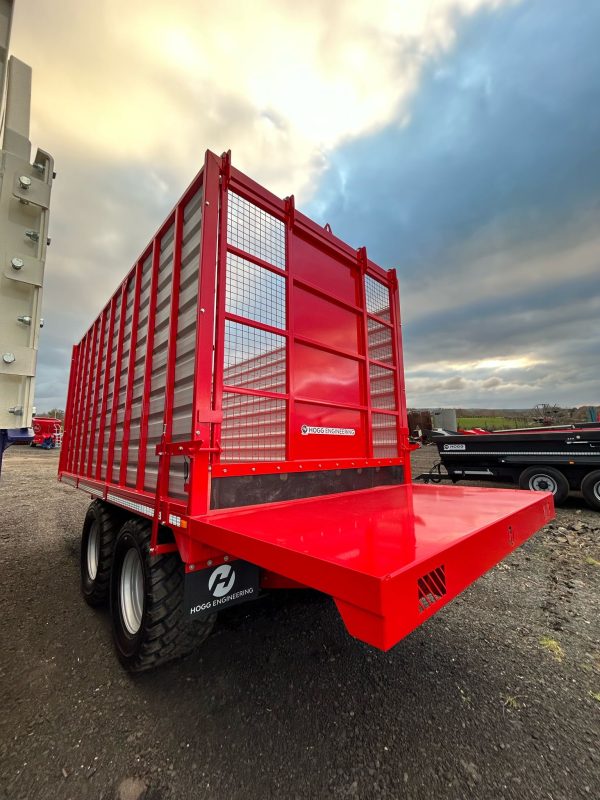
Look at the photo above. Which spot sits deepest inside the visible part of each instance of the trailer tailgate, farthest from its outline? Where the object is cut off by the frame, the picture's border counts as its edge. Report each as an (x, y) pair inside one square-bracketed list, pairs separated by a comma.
[(389, 556)]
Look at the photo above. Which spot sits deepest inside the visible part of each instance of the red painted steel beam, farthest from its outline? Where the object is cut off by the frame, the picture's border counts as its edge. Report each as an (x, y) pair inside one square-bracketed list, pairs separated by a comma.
[(199, 478)]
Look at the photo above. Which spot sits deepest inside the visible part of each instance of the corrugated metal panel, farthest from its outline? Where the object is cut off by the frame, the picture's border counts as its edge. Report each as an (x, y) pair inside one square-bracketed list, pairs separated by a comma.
[(159, 357), (186, 337), (123, 376), (139, 372), (111, 386)]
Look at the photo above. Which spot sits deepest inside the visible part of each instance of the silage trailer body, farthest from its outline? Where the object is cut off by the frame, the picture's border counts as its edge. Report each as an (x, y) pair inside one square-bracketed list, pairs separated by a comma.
[(240, 399)]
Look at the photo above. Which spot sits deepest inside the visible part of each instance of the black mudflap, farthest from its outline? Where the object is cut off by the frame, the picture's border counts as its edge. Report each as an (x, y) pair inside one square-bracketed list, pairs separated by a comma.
[(211, 589)]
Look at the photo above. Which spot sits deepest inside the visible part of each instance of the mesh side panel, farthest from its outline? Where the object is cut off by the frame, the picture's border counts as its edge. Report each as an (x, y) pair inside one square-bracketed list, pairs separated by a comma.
[(378, 298), (253, 428), (255, 231), (380, 342), (382, 387), (254, 292), (385, 437), (254, 359)]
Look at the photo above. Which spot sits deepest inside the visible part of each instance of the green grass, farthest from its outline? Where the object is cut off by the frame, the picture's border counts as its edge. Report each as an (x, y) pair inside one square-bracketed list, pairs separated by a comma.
[(491, 423)]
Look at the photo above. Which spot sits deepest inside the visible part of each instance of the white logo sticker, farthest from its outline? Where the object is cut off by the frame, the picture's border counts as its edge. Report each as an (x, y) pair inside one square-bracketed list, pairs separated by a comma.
[(312, 429), (221, 580), (455, 447)]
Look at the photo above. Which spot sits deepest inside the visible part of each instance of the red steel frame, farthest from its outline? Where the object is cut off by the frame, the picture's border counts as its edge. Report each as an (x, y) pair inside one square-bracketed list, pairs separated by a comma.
[(202, 535)]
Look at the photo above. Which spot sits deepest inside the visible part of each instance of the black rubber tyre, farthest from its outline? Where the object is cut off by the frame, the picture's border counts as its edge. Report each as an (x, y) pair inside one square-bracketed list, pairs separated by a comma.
[(590, 489), (162, 631), (545, 479), (100, 530)]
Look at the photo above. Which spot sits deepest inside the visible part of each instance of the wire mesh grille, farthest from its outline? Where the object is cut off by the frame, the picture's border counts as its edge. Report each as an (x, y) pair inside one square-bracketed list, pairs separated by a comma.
[(254, 292), (254, 359), (253, 428), (254, 231), (382, 387), (378, 298), (380, 342), (432, 587), (385, 436)]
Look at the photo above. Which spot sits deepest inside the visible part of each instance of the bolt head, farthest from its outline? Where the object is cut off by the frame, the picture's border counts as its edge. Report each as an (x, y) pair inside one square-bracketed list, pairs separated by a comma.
[(24, 182), (17, 263), (209, 563), (9, 358)]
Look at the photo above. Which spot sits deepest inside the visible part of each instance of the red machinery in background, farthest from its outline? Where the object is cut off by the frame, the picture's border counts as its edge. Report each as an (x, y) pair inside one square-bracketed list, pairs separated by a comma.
[(238, 412), (47, 432)]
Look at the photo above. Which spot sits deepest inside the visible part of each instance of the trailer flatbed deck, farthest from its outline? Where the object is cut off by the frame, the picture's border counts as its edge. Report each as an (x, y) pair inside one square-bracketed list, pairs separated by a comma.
[(390, 556)]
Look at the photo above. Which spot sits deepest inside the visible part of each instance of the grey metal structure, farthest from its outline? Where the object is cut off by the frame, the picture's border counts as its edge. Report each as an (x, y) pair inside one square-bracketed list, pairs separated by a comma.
[(25, 187)]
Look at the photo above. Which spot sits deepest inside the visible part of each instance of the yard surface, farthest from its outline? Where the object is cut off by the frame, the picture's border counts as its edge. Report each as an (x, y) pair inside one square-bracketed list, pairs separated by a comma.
[(498, 695)]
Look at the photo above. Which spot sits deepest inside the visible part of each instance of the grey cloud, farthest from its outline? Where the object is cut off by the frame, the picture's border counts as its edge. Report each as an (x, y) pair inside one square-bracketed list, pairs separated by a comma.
[(495, 173)]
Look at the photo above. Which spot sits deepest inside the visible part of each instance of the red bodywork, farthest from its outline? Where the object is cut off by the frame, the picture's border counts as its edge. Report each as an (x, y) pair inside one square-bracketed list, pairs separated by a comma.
[(302, 381), (46, 428)]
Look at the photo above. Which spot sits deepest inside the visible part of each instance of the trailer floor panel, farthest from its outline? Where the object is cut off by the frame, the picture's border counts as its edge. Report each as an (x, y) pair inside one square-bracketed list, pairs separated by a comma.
[(390, 556)]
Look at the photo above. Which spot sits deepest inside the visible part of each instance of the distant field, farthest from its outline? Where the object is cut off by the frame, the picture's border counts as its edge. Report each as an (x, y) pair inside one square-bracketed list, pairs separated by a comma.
[(491, 423)]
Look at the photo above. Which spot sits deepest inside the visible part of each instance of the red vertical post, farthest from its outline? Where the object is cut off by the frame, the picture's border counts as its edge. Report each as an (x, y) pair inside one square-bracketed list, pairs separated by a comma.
[(117, 384), (87, 400), (94, 418), (199, 481), (362, 294), (137, 290), (290, 210), (105, 387), (141, 470), (402, 422), (66, 449), (221, 294), (164, 461)]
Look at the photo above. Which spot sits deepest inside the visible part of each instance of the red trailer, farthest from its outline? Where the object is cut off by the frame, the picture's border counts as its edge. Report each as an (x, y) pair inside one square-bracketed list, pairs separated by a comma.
[(238, 412)]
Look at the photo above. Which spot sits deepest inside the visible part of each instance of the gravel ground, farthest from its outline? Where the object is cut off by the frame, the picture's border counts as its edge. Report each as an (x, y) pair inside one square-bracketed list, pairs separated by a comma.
[(498, 695)]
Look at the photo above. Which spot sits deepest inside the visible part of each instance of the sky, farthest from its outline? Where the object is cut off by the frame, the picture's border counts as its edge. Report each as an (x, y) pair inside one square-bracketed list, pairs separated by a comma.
[(458, 140)]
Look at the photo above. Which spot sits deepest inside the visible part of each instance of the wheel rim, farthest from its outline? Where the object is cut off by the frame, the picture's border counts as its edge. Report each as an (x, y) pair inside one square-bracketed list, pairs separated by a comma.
[(543, 483), (597, 491), (93, 551), (131, 591)]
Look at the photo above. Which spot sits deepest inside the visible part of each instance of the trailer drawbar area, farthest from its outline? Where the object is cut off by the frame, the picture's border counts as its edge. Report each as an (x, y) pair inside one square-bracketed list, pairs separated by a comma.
[(237, 412)]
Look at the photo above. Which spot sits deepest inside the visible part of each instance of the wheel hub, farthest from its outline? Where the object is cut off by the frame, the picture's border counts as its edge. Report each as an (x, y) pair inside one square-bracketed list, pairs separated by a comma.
[(543, 483), (93, 551), (131, 591)]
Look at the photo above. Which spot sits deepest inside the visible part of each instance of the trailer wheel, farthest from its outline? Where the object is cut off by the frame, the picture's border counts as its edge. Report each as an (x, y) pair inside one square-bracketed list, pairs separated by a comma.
[(590, 489), (545, 479), (150, 626), (100, 530)]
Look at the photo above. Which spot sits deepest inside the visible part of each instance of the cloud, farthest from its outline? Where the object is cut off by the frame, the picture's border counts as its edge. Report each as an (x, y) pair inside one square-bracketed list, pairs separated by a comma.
[(127, 96), (486, 196)]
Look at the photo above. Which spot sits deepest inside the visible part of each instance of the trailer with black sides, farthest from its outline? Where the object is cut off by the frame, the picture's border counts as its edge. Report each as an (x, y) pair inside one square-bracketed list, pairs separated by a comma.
[(237, 412), (556, 459)]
